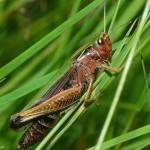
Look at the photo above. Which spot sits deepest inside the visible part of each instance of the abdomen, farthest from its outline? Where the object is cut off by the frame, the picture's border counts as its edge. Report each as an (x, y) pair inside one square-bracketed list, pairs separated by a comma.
[(37, 132)]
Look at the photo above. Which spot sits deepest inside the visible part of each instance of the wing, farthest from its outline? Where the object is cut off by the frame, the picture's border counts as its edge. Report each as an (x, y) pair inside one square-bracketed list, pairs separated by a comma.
[(59, 102), (55, 89)]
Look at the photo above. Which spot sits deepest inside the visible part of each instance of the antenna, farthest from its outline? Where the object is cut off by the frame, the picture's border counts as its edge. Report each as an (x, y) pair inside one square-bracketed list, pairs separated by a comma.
[(104, 16), (118, 28)]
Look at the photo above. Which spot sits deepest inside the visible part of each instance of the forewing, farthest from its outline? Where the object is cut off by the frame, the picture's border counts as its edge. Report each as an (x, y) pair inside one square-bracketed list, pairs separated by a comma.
[(55, 89)]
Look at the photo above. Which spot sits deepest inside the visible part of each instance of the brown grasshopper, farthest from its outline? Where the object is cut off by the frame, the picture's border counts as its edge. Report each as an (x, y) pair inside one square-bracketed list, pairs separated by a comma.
[(65, 93)]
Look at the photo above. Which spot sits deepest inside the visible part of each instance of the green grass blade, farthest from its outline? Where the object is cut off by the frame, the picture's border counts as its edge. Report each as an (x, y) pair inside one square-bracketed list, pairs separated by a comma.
[(146, 81), (126, 137), (114, 18), (25, 89)]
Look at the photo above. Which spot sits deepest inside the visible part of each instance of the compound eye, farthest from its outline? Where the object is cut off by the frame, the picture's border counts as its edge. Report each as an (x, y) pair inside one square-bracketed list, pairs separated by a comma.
[(100, 41)]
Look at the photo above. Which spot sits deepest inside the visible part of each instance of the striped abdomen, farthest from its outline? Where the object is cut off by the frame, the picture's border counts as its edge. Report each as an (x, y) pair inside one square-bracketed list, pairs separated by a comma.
[(37, 132)]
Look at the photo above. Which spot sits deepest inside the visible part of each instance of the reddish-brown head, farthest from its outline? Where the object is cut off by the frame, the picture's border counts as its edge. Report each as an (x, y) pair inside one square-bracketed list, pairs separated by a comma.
[(103, 46)]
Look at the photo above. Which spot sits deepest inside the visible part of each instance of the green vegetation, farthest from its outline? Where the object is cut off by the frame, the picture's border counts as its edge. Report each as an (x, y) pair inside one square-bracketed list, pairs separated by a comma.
[(37, 39)]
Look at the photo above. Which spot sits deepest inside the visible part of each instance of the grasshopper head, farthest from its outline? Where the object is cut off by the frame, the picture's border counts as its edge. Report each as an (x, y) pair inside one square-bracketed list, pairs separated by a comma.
[(103, 46)]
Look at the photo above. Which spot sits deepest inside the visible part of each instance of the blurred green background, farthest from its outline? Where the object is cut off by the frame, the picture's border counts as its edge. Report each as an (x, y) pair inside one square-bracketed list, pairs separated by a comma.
[(24, 22)]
